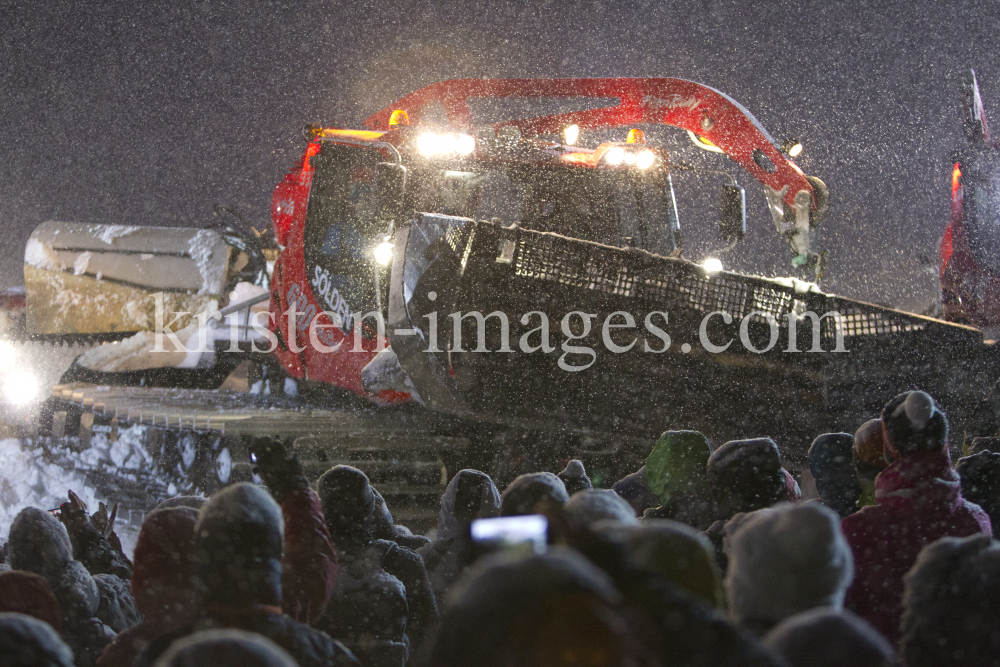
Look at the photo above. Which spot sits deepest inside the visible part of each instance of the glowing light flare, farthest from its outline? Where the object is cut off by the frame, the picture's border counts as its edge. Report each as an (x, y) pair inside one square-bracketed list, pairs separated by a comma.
[(7, 355), (615, 156), (570, 134), (630, 158), (645, 159), (20, 387), (956, 179), (795, 150), (430, 144), (712, 265), (383, 253), (635, 136)]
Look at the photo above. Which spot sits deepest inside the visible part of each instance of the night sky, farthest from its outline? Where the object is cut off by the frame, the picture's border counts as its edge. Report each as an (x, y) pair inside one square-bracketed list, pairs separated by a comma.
[(150, 113)]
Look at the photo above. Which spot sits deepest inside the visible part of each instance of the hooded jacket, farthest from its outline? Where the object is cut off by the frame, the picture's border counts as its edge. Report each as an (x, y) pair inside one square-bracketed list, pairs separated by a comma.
[(238, 545), (39, 543), (27, 593), (918, 499), (162, 583), (830, 638), (225, 648), (470, 495)]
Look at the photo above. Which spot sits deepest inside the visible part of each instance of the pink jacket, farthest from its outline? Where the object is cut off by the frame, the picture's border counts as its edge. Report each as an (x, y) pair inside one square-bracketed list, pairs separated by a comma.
[(917, 500)]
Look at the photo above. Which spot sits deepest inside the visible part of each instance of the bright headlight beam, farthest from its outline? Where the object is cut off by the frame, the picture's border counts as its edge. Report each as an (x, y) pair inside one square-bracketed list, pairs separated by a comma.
[(645, 159), (570, 134), (383, 253), (430, 144), (20, 387), (712, 265), (615, 155)]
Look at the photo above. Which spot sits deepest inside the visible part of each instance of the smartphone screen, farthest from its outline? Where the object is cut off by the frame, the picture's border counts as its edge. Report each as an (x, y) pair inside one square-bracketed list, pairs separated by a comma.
[(521, 534)]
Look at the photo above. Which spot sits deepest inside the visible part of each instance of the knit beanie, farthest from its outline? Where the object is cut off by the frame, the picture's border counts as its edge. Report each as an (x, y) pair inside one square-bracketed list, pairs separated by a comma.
[(574, 477), (588, 507), (746, 475), (830, 638), (785, 560), (677, 463), (914, 423), (27, 593), (28, 642), (239, 541), (346, 496), (530, 492)]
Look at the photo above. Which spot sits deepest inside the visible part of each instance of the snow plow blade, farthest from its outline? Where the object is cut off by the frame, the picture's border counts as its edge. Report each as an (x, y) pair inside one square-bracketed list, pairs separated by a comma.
[(95, 279)]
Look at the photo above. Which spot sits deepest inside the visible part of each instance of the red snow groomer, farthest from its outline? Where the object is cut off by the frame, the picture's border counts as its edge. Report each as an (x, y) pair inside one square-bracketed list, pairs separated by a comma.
[(528, 271), (970, 250)]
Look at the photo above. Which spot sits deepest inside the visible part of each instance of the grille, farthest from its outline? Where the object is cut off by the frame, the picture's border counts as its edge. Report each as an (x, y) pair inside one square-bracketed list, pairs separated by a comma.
[(672, 284)]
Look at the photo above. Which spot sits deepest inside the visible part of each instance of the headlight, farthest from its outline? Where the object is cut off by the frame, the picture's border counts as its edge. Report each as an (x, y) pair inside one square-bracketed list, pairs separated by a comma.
[(20, 387), (383, 253), (712, 265), (430, 144)]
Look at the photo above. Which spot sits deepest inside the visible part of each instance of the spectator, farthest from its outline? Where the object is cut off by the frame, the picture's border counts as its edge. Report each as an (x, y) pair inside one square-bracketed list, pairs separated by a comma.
[(980, 476), (225, 648), (832, 466), (952, 604), (785, 560), (27, 593), (574, 477), (39, 543), (309, 566), (26, 641), (830, 638), (587, 507), (239, 538), (534, 493), (162, 583), (470, 495), (194, 502), (383, 599), (678, 553), (385, 528), (869, 458), (676, 472), (746, 475), (566, 612), (918, 500)]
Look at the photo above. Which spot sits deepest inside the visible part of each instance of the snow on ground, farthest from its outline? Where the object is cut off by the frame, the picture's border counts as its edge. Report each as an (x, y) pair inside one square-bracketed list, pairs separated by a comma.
[(31, 478)]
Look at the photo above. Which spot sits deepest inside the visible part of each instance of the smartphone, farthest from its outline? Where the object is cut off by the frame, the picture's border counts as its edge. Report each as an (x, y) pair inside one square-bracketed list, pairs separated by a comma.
[(520, 534)]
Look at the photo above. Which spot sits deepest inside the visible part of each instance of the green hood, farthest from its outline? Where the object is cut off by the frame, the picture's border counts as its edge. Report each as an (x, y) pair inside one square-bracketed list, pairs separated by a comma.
[(677, 462)]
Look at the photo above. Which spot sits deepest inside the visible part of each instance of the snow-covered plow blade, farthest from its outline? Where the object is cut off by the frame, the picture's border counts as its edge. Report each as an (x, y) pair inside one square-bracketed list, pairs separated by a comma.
[(635, 342), (94, 279)]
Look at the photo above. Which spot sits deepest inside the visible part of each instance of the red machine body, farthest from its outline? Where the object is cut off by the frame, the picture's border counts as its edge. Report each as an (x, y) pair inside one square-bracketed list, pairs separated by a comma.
[(305, 294)]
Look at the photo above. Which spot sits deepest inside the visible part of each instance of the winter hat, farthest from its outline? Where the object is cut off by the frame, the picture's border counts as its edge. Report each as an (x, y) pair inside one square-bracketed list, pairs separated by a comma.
[(27, 593), (746, 475), (587, 507), (980, 475), (346, 496), (28, 642), (163, 564), (785, 560), (680, 554), (830, 638), (194, 502), (471, 494), (677, 463), (533, 493), (951, 603), (832, 466), (913, 422), (225, 648), (574, 477), (39, 543), (530, 610), (239, 541)]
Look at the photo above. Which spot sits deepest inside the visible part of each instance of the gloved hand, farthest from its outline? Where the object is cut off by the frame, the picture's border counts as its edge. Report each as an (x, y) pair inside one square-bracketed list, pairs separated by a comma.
[(73, 515), (277, 466)]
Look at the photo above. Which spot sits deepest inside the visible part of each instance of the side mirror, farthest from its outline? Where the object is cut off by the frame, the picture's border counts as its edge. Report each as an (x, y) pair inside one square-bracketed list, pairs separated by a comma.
[(390, 187), (732, 213)]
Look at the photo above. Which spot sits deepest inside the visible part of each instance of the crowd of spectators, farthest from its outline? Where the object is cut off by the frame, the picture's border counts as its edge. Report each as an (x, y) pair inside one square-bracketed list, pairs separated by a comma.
[(704, 556)]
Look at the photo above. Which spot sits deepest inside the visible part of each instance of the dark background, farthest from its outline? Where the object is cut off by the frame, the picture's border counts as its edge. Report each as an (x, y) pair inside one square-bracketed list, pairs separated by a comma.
[(150, 113)]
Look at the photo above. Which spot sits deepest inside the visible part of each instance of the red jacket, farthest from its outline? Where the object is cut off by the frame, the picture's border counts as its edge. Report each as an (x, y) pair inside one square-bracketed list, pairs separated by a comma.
[(917, 500), (309, 568)]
